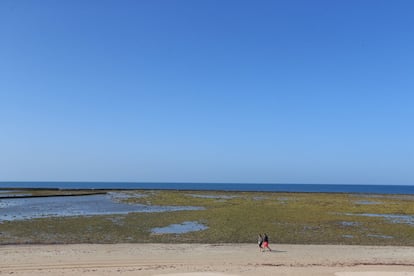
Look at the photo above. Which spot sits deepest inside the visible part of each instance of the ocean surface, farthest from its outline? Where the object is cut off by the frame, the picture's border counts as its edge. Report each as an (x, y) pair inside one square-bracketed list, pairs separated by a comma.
[(318, 188)]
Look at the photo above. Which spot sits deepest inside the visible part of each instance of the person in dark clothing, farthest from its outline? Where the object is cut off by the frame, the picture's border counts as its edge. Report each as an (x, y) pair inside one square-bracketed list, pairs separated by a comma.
[(260, 241), (266, 242)]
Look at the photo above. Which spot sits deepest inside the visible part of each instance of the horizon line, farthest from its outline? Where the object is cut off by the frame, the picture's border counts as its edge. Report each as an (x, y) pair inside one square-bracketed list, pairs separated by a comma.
[(195, 182)]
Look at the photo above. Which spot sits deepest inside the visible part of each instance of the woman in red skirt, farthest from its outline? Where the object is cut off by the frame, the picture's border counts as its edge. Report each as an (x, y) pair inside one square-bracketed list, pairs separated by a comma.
[(266, 242)]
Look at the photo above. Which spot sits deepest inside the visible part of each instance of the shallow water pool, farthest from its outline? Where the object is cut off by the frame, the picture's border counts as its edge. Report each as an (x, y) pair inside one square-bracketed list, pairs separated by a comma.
[(64, 206), (213, 196), (185, 227), (404, 219)]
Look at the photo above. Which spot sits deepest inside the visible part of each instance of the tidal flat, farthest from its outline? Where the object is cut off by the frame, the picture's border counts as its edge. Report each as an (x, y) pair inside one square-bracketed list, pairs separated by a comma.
[(226, 217)]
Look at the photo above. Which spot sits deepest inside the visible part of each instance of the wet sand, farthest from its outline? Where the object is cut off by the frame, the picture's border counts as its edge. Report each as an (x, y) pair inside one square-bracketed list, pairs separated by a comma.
[(205, 260)]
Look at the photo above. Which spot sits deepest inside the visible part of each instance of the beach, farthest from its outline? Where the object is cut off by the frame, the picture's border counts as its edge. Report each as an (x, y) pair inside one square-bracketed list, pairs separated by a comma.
[(205, 233), (205, 259)]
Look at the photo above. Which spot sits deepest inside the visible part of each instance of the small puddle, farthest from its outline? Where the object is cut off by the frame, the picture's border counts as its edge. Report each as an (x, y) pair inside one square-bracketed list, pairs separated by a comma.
[(349, 223), (259, 198), (283, 200), (213, 196), (380, 236), (367, 202), (185, 227)]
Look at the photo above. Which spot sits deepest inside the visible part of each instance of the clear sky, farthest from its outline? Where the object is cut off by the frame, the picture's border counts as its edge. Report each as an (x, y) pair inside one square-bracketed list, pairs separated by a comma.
[(207, 91)]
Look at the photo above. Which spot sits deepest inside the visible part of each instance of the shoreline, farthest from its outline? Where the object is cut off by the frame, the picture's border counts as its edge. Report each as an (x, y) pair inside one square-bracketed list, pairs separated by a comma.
[(205, 259)]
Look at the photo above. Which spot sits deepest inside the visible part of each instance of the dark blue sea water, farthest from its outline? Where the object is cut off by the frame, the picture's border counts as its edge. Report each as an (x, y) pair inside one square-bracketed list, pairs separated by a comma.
[(318, 188)]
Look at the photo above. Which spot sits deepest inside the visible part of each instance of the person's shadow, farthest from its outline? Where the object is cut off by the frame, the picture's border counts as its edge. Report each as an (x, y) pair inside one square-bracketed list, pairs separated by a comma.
[(274, 251)]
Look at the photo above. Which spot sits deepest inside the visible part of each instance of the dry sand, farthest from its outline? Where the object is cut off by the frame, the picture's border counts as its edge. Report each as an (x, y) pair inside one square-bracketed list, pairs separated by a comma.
[(205, 260)]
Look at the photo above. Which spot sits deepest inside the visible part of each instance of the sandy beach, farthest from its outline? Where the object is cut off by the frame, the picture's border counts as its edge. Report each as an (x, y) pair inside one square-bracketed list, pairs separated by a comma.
[(205, 259)]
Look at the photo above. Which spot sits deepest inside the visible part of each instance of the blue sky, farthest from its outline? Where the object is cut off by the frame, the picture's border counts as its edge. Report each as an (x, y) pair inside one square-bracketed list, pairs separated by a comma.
[(207, 91)]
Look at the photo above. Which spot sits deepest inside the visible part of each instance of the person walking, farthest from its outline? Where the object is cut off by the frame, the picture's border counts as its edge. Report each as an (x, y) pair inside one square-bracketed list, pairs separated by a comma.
[(265, 242), (260, 241)]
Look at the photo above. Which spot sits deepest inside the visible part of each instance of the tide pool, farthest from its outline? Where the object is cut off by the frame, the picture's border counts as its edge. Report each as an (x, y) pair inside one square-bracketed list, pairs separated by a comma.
[(65, 206)]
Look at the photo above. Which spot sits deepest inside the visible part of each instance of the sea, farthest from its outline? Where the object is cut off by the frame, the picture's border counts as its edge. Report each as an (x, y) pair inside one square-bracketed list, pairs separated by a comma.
[(247, 187)]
